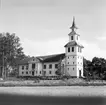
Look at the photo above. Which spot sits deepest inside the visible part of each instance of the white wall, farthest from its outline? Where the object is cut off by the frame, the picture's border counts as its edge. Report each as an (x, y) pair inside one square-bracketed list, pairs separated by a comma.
[(53, 69), (24, 71)]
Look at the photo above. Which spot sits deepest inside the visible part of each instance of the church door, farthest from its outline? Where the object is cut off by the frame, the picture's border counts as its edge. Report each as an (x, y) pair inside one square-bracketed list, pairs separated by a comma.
[(32, 73), (79, 73)]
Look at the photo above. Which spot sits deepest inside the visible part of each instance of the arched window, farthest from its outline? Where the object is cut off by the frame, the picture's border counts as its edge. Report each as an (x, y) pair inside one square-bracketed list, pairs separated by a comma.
[(72, 49)]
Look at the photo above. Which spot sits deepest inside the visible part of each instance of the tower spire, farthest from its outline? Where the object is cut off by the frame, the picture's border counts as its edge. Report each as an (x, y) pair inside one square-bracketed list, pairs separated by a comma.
[(73, 24)]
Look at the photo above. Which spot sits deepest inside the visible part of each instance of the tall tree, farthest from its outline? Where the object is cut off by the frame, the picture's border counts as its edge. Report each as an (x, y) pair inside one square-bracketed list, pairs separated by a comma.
[(10, 51)]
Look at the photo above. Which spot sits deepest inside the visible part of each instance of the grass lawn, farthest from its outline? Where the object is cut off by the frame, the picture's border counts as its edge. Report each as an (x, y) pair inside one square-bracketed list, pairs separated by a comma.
[(69, 82)]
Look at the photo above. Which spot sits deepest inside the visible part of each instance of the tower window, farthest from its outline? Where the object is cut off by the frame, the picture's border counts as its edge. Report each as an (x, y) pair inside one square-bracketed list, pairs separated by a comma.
[(68, 49), (73, 62), (73, 56), (68, 62), (22, 72), (71, 37), (26, 72), (68, 57), (72, 49), (73, 68)]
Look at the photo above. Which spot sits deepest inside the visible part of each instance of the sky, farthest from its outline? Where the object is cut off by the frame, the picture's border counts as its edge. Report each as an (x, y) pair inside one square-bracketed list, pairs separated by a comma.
[(43, 25)]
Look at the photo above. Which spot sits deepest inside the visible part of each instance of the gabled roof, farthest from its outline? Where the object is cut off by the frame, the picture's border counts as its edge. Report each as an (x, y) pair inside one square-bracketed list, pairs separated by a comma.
[(73, 43), (44, 59), (24, 61)]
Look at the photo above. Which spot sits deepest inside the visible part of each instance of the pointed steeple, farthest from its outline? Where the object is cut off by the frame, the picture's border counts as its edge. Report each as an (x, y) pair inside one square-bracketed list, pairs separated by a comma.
[(73, 25)]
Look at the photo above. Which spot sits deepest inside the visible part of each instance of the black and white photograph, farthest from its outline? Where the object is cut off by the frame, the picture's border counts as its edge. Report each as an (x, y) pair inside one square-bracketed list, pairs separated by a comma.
[(52, 52)]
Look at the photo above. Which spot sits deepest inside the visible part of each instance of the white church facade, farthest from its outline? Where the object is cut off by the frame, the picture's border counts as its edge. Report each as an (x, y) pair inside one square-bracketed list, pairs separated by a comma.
[(69, 63)]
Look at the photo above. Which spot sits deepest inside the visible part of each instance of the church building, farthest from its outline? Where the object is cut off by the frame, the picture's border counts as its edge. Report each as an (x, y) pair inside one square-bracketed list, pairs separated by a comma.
[(69, 63)]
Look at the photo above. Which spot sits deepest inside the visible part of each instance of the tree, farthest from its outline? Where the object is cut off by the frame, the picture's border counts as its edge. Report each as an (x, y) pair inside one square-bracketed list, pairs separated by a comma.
[(87, 65), (10, 51), (99, 65)]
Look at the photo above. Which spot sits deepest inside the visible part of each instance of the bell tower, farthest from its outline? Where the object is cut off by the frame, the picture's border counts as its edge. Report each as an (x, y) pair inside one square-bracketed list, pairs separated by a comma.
[(73, 51)]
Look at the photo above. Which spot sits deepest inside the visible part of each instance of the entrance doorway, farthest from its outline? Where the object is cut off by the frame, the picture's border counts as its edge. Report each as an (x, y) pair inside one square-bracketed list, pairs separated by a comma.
[(32, 73), (79, 73)]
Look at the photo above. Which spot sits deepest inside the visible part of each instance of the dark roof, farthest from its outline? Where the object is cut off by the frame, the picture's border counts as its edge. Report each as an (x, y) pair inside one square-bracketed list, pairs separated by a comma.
[(24, 61), (73, 43), (47, 58), (54, 58)]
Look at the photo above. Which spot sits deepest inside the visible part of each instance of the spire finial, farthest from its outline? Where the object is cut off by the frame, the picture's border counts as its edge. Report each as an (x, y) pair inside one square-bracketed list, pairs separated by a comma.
[(73, 25)]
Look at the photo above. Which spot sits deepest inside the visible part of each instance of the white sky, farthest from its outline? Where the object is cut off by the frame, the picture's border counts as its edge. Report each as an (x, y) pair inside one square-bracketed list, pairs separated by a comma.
[(43, 25)]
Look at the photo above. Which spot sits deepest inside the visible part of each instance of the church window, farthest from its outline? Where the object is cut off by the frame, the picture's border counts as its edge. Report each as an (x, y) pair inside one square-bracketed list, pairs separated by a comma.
[(68, 57), (56, 65), (44, 66), (22, 72), (33, 66), (50, 66), (26, 72), (50, 72), (68, 68), (72, 49), (36, 72), (22, 67), (73, 56), (73, 62), (73, 68), (27, 67), (40, 72), (68, 62), (68, 49), (71, 37)]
